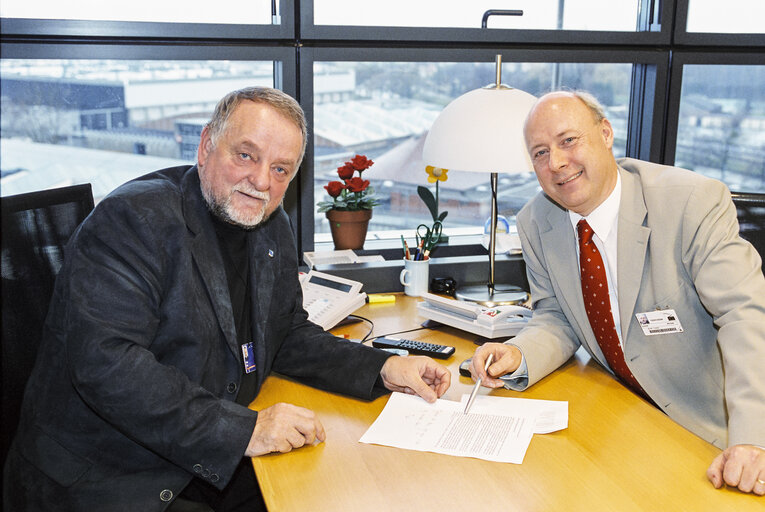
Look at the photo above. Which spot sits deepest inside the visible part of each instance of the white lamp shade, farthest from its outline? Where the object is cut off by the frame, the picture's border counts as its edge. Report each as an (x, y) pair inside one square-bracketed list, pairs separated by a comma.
[(481, 131)]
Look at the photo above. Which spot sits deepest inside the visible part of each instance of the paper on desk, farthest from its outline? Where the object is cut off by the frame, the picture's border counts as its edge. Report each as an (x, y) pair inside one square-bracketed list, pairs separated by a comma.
[(551, 415), (409, 422)]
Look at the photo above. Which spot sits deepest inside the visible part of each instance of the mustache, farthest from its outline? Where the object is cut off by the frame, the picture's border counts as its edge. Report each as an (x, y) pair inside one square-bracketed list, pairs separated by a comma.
[(251, 191)]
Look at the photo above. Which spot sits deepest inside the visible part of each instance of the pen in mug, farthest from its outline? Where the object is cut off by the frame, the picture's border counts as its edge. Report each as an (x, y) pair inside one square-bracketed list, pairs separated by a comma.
[(477, 385), (418, 252)]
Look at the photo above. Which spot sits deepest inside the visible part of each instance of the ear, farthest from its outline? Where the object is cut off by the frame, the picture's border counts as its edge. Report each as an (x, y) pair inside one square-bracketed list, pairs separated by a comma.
[(607, 132), (205, 146)]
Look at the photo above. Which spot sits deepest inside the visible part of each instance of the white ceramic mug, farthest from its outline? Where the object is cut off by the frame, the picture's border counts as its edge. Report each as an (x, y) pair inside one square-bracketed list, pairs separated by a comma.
[(414, 277)]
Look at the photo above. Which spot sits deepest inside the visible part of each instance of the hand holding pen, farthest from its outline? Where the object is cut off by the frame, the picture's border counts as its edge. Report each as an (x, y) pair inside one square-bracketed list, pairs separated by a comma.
[(477, 385), (505, 360)]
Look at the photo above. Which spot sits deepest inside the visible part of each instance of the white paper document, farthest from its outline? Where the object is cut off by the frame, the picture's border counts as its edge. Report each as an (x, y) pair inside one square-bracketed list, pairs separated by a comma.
[(550, 415), (493, 430)]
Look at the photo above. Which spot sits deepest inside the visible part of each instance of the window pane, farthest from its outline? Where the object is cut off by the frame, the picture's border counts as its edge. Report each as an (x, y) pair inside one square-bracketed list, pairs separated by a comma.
[(107, 121), (721, 129), (176, 11), (383, 110), (731, 16), (537, 14)]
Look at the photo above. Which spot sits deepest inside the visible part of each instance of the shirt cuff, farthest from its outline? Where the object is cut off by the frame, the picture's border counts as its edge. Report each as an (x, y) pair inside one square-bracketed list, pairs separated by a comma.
[(519, 379)]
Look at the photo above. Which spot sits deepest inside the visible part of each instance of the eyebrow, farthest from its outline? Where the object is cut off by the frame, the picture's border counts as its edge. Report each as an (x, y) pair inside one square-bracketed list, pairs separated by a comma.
[(535, 147), (566, 132), (253, 147), (287, 163), (559, 135), (245, 144)]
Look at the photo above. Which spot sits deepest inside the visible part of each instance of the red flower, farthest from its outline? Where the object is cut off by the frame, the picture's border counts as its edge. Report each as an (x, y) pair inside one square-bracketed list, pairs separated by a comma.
[(346, 172), (334, 188), (360, 163), (352, 193), (356, 184)]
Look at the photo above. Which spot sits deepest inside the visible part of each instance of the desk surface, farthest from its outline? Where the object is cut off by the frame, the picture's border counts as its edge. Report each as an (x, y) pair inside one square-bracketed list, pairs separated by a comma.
[(618, 453)]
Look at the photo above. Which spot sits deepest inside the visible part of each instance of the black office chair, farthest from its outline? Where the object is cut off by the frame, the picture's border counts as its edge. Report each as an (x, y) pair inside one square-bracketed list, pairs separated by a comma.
[(750, 208), (35, 228)]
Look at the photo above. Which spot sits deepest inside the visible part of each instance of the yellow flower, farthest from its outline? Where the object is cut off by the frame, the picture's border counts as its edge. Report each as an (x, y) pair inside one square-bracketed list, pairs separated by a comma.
[(436, 174)]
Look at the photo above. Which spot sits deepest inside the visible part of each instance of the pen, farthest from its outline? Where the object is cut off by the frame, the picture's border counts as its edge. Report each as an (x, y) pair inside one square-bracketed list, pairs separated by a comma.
[(477, 385), (406, 247)]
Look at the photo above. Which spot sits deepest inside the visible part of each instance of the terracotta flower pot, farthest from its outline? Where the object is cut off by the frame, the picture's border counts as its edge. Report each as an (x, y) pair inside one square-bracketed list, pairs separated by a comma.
[(349, 229)]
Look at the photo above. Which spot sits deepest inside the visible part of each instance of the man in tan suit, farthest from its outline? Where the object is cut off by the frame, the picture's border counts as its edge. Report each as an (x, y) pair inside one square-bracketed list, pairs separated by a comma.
[(668, 239)]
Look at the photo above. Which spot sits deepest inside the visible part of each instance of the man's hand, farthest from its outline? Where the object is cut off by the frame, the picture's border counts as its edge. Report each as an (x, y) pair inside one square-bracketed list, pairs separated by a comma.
[(742, 466), (416, 375), (506, 360), (282, 427)]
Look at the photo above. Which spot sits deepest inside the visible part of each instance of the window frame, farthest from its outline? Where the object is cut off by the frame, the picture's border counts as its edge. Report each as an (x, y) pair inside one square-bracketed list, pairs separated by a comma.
[(658, 52), (282, 56), (710, 39), (651, 33), (650, 65), (679, 61), (80, 29)]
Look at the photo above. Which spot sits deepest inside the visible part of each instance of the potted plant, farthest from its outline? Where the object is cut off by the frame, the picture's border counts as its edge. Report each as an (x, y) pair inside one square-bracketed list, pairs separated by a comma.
[(350, 206)]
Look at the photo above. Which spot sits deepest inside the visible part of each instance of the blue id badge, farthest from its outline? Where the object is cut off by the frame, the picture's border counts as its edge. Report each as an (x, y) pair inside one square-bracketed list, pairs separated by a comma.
[(248, 356)]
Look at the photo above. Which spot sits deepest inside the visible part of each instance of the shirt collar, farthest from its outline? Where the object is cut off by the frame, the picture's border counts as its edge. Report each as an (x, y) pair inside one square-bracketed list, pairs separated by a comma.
[(603, 218)]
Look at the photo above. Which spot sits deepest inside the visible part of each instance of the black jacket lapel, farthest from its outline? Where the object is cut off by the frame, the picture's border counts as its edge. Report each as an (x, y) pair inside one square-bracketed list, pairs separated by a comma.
[(206, 253)]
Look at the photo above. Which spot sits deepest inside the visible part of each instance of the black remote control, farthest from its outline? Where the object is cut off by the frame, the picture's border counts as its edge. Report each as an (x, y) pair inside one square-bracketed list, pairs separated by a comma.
[(415, 347)]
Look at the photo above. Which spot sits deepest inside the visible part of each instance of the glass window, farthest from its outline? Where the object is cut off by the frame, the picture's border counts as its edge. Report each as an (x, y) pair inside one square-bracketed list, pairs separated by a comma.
[(537, 14), (731, 17), (176, 11), (107, 121), (383, 110), (721, 127)]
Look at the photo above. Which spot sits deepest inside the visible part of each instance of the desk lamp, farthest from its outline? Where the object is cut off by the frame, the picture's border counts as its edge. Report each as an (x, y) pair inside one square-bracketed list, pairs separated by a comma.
[(482, 131)]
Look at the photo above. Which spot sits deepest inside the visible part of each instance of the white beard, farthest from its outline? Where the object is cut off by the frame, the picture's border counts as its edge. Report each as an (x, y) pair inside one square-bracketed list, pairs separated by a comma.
[(225, 210)]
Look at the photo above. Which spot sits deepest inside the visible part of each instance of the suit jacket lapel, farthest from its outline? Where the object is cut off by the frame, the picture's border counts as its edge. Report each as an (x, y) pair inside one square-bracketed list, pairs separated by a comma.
[(563, 266), (632, 246), (206, 254)]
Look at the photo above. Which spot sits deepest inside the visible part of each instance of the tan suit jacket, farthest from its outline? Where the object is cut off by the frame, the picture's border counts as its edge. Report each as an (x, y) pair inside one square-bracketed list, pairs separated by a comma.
[(678, 248)]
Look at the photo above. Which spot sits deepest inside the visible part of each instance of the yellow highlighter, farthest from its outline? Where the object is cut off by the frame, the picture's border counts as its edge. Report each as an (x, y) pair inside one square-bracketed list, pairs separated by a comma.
[(377, 298)]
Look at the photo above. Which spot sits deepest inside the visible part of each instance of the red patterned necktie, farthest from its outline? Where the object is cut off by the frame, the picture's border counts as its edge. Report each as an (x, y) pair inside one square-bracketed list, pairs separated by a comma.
[(598, 306)]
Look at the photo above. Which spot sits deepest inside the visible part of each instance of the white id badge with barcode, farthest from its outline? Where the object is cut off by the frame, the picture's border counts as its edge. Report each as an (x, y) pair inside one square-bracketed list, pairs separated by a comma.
[(664, 321)]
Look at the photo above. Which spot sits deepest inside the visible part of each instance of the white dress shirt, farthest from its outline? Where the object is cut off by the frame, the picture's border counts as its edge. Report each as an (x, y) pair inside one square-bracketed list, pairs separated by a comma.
[(604, 222)]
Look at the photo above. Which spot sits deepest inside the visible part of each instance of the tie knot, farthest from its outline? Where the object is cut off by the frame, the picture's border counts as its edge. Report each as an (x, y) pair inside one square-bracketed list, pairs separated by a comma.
[(584, 231)]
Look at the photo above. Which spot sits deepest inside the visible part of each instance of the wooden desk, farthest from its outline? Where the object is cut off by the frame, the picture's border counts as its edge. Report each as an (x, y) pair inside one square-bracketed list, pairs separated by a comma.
[(619, 453)]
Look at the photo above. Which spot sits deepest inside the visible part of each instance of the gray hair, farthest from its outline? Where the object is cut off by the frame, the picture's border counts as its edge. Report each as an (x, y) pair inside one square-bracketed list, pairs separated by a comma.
[(283, 103), (597, 110)]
